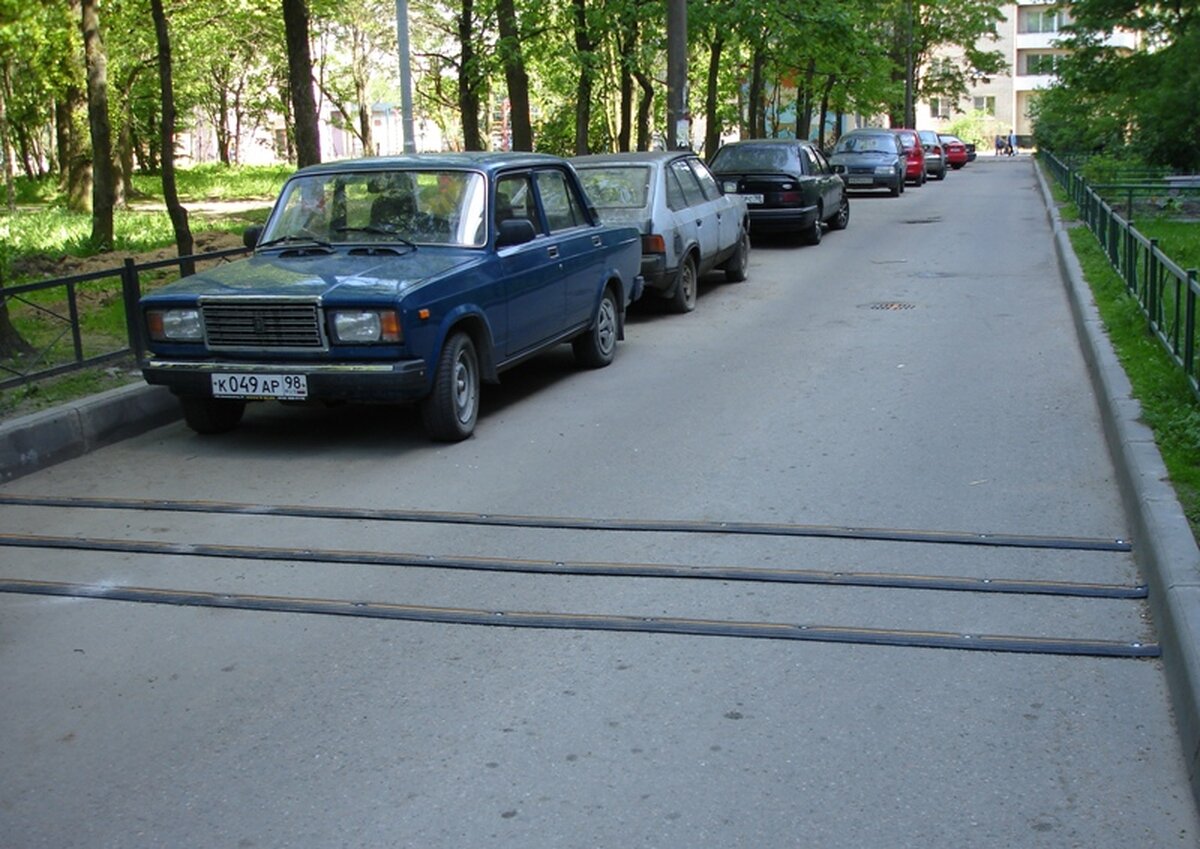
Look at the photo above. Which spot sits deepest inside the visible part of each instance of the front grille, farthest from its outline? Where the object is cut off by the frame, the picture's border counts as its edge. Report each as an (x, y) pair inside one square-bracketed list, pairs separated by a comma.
[(262, 324)]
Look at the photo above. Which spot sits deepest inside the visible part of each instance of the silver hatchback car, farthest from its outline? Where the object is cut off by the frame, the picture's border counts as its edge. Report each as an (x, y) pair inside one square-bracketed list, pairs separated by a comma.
[(689, 226)]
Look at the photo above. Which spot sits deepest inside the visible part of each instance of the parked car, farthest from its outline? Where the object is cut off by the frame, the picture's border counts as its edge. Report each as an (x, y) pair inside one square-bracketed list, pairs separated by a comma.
[(870, 159), (914, 155), (956, 151), (970, 151), (935, 154), (788, 186), (411, 278), (688, 225)]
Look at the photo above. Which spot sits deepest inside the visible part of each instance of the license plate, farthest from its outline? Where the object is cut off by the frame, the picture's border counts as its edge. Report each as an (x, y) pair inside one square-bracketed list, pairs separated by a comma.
[(758, 199), (283, 386), (861, 181)]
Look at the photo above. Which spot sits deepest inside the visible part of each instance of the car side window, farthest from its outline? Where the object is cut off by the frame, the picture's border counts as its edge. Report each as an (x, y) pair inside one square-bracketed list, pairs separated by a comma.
[(708, 183), (822, 162), (675, 197), (815, 166), (688, 182), (514, 199), (563, 210)]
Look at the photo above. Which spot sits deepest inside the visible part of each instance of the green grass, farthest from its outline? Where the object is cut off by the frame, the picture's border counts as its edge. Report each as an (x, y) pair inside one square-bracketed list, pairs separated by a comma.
[(43, 240), (1168, 406)]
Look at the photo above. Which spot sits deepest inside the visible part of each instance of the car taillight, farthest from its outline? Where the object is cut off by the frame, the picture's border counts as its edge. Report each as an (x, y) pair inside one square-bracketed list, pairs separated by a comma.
[(790, 197), (653, 244)]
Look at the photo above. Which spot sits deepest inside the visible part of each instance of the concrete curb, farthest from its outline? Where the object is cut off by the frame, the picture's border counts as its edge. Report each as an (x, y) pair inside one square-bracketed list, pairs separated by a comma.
[(42, 439), (1164, 547)]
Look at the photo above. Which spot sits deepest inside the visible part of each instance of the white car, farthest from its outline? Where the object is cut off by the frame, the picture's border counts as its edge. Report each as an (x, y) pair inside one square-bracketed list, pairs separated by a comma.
[(689, 225)]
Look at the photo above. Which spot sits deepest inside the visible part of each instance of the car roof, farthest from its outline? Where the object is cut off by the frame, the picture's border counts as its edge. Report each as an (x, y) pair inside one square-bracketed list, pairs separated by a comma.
[(633, 157), (747, 142), (470, 160)]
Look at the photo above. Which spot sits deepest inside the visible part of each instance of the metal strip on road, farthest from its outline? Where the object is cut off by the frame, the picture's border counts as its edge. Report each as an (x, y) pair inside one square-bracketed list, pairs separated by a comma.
[(570, 523), (590, 622), (559, 567)]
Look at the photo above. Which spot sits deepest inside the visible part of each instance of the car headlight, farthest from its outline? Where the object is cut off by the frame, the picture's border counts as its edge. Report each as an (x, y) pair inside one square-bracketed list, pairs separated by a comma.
[(838, 169), (730, 187), (364, 326), (883, 169), (176, 325)]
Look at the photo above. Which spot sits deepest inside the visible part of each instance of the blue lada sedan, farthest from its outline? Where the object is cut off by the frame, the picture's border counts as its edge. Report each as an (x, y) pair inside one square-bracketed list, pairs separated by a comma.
[(399, 279)]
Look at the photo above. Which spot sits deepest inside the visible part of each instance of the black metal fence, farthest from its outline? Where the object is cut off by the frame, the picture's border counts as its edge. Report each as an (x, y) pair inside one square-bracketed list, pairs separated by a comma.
[(1167, 293), (64, 350)]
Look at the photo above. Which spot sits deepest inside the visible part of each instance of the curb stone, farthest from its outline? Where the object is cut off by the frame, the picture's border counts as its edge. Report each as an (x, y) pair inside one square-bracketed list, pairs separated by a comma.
[(1164, 547), (41, 439)]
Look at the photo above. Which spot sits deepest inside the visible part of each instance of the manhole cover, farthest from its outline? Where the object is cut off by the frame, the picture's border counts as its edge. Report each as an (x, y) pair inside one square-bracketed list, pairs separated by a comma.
[(891, 305)]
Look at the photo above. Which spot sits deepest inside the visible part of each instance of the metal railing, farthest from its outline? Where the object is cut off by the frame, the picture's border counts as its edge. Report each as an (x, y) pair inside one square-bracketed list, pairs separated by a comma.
[(1166, 293), (48, 361)]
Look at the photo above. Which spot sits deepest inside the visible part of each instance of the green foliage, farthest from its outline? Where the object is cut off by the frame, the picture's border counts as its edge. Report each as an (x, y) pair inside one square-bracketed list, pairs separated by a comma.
[(974, 126)]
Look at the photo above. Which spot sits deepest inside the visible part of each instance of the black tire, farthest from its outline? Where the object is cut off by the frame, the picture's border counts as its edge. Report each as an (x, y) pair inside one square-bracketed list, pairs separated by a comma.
[(811, 235), (596, 346), (683, 296), (736, 266), (842, 218), (895, 190), (212, 415), (941, 175), (450, 411)]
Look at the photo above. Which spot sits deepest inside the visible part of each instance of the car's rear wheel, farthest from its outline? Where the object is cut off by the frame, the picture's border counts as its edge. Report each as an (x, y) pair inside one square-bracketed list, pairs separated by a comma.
[(684, 297), (452, 408), (596, 346), (811, 235), (842, 218), (737, 265), (212, 415)]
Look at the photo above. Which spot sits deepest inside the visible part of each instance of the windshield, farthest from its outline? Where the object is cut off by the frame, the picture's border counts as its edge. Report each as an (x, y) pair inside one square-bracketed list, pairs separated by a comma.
[(873, 143), (434, 207), (617, 187)]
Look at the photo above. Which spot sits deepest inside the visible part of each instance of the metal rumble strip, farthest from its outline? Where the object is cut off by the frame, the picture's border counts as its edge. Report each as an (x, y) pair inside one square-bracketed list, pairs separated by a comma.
[(574, 523), (945, 583), (590, 622)]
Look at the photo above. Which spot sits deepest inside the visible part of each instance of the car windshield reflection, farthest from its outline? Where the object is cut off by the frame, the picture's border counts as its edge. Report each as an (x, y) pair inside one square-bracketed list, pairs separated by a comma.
[(409, 207)]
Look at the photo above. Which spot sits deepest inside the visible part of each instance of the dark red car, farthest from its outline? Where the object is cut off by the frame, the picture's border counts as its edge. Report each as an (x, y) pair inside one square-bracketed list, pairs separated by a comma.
[(956, 151), (914, 170)]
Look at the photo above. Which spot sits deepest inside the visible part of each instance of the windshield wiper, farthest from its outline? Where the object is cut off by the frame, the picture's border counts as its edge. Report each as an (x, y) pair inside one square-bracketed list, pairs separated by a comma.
[(293, 239), (391, 234)]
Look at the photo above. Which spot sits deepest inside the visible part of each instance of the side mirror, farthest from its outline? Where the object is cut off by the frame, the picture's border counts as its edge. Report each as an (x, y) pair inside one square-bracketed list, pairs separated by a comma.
[(251, 235), (515, 231)]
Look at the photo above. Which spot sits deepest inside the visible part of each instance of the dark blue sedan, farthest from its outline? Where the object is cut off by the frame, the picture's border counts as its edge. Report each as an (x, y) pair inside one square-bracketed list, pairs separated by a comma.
[(400, 279)]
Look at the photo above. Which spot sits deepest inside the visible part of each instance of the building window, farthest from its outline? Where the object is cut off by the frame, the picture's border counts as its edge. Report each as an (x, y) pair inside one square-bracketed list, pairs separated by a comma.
[(986, 105), (1041, 63), (939, 107), (1048, 19)]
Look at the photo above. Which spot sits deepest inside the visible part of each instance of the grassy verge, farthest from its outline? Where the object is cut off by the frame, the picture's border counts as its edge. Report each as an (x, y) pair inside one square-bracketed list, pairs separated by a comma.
[(1168, 406), (44, 240)]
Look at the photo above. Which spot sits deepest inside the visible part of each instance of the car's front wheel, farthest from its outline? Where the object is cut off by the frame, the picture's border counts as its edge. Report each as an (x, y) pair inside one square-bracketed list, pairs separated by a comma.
[(684, 297), (450, 411), (596, 346), (212, 415)]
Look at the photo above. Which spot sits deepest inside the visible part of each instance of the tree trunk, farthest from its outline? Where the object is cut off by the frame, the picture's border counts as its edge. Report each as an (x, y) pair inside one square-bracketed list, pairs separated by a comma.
[(515, 77), (804, 101), (103, 182), (829, 83), (300, 81), (645, 102), (10, 196), (468, 91), (627, 40), (583, 90), (755, 106), (179, 215), (712, 124)]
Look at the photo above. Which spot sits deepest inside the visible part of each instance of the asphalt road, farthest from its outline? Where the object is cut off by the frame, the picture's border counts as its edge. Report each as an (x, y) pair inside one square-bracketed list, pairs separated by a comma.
[(917, 376)]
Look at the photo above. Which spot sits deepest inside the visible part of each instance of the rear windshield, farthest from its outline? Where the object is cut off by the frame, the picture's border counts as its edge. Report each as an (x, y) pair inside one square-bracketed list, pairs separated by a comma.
[(756, 157), (866, 143), (617, 186)]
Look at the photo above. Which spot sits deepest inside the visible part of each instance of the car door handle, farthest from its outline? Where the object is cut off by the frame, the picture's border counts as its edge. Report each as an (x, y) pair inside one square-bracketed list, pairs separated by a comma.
[(597, 241), (552, 252)]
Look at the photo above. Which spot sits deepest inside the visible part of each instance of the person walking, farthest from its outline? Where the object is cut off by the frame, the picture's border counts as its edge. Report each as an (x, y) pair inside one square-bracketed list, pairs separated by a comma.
[(1012, 142), (999, 144)]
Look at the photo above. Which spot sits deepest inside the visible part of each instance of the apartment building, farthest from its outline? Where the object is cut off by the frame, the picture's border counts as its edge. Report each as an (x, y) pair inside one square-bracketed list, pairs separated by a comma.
[(1029, 41)]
